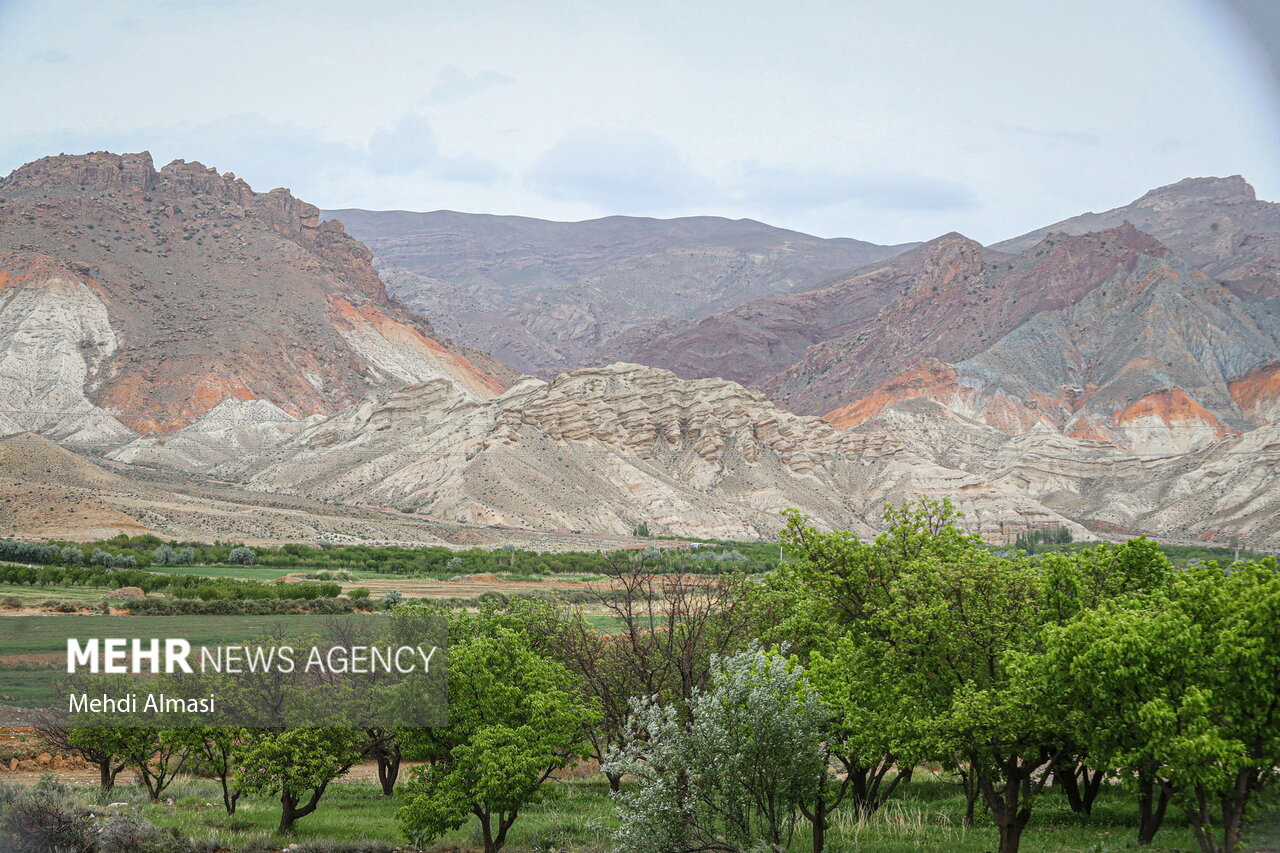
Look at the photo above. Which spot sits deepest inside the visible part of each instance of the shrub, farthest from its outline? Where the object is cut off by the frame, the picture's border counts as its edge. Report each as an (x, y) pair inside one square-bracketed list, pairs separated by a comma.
[(44, 818), (392, 598), (358, 594), (126, 833)]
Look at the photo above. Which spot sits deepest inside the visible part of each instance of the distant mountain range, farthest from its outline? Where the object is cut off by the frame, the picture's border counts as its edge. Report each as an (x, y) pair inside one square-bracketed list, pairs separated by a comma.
[(1116, 372), (549, 296)]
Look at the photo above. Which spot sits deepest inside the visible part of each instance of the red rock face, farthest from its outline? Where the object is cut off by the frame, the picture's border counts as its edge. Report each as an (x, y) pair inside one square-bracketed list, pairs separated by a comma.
[(215, 291), (957, 301), (1257, 393)]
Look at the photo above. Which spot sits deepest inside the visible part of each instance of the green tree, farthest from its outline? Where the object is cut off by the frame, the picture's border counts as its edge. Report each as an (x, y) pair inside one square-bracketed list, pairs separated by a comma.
[(212, 752), (102, 746), (1184, 692), (242, 556), (932, 615), (296, 763), (515, 717)]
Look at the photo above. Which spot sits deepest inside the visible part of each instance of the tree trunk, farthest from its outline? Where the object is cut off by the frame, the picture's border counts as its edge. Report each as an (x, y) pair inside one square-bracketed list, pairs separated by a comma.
[(1011, 831), (969, 784), (615, 782), (493, 842), (1151, 808), (388, 772), (1092, 785), (230, 799), (290, 811), (107, 774), (819, 822), (1066, 775)]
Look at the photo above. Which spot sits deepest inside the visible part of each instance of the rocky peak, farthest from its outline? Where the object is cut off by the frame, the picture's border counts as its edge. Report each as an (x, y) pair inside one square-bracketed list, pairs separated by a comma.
[(1189, 191), (99, 170)]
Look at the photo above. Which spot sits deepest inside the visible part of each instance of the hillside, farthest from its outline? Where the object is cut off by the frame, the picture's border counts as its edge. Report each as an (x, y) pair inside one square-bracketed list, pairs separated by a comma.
[(602, 450), (1216, 225), (1105, 330), (133, 299), (546, 296)]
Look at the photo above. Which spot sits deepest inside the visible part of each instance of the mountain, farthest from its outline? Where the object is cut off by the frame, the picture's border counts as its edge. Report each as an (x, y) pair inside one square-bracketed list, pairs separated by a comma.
[(602, 450), (133, 299), (1106, 332), (49, 492), (547, 296), (1222, 491), (1217, 225)]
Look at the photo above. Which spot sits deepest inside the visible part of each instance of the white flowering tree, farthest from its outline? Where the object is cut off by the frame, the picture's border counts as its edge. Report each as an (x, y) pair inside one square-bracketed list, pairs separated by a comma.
[(732, 774)]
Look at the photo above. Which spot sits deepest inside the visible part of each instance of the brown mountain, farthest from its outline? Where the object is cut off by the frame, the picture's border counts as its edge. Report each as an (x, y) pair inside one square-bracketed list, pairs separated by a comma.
[(130, 296), (546, 296), (1216, 225)]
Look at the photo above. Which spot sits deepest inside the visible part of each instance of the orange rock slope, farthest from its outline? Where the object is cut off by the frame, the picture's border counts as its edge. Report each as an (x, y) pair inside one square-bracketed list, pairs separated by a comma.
[(207, 291)]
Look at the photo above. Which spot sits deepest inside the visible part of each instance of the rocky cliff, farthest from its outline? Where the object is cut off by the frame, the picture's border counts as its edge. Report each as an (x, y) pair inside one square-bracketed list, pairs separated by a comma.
[(136, 298)]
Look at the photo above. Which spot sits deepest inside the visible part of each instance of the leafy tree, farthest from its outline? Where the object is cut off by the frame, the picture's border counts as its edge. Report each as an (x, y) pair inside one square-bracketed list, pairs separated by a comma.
[(873, 725), (164, 555), (242, 556), (1184, 692), (515, 717), (296, 763), (931, 613), (738, 773), (101, 746), (212, 750), (158, 754)]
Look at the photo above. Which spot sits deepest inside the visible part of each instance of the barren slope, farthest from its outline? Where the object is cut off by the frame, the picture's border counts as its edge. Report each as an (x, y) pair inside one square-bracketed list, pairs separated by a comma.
[(1217, 225), (544, 296), (602, 450), (157, 295)]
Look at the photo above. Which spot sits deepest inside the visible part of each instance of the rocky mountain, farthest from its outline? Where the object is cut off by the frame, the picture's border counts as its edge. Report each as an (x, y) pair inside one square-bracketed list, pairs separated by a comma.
[(1217, 225), (547, 296), (1105, 333), (1096, 326), (133, 299), (49, 492), (1221, 491), (600, 450)]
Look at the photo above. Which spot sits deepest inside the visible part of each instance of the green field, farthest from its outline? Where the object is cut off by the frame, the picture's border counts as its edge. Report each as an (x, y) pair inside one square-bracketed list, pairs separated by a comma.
[(253, 573), (926, 815), (30, 683)]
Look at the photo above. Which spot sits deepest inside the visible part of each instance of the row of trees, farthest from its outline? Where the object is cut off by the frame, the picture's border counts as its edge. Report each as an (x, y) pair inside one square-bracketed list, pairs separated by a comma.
[(729, 713), (179, 586), (148, 550)]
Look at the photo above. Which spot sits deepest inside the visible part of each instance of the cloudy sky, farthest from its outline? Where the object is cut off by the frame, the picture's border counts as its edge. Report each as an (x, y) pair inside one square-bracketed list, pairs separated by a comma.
[(888, 121)]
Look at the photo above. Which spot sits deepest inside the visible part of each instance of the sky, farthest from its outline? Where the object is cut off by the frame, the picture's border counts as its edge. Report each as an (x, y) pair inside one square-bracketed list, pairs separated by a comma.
[(888, 121)]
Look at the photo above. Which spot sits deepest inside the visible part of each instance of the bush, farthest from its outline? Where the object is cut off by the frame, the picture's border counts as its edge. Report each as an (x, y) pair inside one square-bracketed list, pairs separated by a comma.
[(126, 833), (359, 594), (44, 819), (12, 602), (392, 598)]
